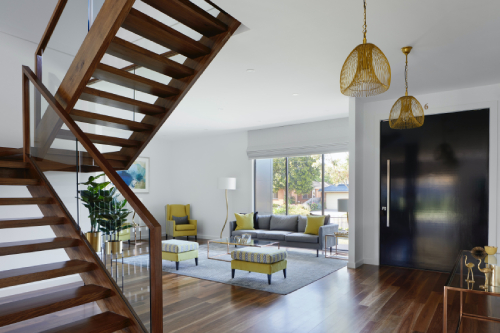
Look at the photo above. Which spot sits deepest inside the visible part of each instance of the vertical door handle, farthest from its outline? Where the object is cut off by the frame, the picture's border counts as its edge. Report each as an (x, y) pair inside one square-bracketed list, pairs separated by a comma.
[(388, 193)]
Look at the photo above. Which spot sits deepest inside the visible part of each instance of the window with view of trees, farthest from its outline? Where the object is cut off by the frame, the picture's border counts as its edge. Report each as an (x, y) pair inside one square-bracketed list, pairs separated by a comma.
[(294, 185)]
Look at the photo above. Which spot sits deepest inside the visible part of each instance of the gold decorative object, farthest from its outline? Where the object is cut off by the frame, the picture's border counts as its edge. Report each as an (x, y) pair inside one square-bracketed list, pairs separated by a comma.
[(115, 247), (95, 240), (486, 272), (366, 71), (407, 112), (478, 252), (469, 272), (491, 250)]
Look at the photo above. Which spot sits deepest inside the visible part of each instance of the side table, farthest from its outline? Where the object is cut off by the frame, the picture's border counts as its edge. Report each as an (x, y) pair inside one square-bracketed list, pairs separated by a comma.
[(337, 255)]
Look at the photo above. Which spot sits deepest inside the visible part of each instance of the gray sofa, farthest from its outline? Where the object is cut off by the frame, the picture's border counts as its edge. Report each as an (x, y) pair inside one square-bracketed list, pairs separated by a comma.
[(289, 231)]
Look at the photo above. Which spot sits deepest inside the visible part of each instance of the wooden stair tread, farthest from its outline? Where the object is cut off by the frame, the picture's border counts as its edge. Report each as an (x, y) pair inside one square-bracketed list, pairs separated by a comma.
[(106, 322), (28, 308), (18, 181), (117, 101), (28, 246), (108, 121), (140, 56), (26, 201), (100, 139), (19, 276), (147, 27), (132, 81), (191, 15), (36, 222), (14, 165)]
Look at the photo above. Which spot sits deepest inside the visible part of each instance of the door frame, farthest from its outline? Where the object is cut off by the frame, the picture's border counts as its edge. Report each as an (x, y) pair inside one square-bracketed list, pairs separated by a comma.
[(493, 200)]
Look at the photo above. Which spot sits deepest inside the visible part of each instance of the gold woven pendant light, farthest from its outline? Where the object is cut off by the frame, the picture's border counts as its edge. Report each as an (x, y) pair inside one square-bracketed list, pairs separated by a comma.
[(407, 112), (366, 71)]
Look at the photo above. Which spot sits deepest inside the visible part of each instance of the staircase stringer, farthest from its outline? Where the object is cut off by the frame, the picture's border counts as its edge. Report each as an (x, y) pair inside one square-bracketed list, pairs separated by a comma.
[(216, 42), (106, 25)]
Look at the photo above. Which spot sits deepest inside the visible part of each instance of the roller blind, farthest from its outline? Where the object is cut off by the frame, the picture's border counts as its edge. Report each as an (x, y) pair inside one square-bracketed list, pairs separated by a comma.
[(320, 137)]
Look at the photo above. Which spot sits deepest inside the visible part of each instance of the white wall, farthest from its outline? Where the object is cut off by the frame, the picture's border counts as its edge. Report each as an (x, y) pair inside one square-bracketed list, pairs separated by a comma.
[(187, 173), (368, 136)]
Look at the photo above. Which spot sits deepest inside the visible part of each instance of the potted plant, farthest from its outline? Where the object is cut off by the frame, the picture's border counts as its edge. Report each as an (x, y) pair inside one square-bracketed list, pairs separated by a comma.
[(112, 221), (95, 199)]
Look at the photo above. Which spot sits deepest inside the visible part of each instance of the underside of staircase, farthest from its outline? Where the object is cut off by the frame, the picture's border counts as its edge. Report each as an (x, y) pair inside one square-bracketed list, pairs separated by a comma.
[(23, 167)]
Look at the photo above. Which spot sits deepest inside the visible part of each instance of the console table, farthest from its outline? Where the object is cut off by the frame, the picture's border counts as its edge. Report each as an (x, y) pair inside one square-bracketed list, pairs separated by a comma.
[(466, 277)]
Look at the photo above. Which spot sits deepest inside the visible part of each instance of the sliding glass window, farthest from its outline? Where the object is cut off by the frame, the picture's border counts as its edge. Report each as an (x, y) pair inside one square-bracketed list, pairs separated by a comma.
[(295, 185)]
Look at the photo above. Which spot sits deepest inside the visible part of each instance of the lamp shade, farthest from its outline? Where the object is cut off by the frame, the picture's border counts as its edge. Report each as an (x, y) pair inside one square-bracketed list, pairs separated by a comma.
[(227, 183), (343, 205)]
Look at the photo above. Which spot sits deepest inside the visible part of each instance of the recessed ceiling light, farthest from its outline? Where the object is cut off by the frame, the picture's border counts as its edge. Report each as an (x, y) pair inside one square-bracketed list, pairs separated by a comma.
[(250, 70), (295, 94)]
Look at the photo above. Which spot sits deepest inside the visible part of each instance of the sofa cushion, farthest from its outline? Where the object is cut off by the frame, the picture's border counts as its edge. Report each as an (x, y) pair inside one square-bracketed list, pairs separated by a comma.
[(302, 238), (263, 255), (244, 222), (180, 220), (273, 234), (301, 226), (178, 246), (313, 224), (184, 227), (254, 233), (264, 221), (284, 222), (255, 219), (327, 218)]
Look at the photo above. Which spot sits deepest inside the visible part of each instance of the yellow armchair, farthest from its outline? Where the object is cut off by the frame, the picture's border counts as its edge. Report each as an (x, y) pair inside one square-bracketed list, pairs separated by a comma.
[(174, 230)]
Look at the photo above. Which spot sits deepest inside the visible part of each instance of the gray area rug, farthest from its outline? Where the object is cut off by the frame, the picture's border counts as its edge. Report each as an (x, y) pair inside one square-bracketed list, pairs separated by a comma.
[(303, 268)]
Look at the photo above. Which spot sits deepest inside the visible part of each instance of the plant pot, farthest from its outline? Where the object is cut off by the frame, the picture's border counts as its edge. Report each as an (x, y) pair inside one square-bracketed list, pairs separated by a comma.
[(95, 240), (115, 247)]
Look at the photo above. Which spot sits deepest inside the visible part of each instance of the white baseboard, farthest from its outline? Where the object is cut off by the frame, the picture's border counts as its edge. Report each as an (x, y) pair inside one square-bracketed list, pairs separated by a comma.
[(355, 265), (371, 261)]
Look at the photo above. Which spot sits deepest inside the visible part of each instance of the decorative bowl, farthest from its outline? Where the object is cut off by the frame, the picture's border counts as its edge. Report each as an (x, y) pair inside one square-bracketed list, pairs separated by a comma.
[(478, 252), (491, 250)]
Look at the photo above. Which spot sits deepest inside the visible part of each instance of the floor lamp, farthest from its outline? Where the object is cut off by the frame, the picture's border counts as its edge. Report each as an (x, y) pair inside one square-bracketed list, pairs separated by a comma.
[(226, 184)]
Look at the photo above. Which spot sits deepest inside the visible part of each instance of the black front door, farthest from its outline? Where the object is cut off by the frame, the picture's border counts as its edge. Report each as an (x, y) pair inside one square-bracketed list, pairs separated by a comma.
[(436, 177)]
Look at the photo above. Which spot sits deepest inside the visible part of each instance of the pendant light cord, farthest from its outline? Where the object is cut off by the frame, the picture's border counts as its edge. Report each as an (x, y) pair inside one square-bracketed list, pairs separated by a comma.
[(406, 75), (364, 26)]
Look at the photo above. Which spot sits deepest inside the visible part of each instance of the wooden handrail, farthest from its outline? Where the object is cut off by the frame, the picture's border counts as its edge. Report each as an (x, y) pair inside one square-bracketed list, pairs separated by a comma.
[(49, 30), (128, 194)]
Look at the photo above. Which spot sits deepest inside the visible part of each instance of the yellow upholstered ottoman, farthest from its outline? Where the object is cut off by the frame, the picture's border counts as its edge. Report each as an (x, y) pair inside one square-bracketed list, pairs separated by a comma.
[(266, 260), (179, 250)]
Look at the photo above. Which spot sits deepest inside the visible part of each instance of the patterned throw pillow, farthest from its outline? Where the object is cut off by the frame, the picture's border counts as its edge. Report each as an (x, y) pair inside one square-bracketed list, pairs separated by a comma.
[(180, 220)]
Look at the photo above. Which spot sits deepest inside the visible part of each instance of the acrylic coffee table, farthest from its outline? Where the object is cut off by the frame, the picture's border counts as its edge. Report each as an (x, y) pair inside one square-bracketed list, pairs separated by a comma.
[(232, 241)]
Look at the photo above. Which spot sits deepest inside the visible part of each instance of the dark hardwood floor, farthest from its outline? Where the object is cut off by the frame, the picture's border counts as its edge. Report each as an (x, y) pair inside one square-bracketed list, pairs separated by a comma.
[(368, 299)]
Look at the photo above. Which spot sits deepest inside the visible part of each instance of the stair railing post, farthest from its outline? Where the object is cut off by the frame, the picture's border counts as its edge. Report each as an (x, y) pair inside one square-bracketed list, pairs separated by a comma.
[(26, 118)]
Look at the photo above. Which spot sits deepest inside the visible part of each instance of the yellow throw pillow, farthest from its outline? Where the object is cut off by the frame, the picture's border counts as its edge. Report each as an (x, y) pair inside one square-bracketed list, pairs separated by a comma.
[(313, 224), (244, 221)]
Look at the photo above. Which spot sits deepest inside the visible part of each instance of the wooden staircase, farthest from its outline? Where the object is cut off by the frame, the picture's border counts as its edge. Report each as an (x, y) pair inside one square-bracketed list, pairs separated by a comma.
[(99, 286), (25, 167), (215, 33)]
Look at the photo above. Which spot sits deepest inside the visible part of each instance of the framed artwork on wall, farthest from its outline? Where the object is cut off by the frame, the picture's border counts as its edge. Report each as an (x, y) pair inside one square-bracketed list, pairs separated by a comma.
[(137, 176)]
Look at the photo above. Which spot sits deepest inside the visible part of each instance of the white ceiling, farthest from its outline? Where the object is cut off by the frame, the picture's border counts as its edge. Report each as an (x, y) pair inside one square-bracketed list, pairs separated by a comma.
[(299, 46)]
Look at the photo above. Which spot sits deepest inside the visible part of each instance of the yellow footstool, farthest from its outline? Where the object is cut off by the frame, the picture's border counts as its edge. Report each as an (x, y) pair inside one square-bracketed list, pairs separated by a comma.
[(179, 250), (266, 260)]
